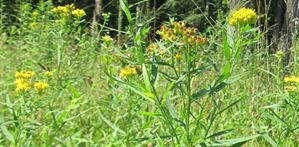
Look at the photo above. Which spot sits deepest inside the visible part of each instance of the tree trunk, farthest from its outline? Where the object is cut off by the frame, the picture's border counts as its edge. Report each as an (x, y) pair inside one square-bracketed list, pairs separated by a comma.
[(97, 15), (119, 22), (288, 29)]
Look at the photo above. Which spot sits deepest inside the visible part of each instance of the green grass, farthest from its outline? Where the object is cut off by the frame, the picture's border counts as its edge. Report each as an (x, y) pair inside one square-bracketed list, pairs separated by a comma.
[(221, 93)]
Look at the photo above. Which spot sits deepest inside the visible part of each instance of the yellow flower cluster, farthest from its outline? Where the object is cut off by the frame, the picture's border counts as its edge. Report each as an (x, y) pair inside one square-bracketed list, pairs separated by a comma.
[(22, 85), (198, 40), (180, 30), (68, 10), (293, 82), (22, 80), (291, 79), (166, 33), (40, 86), (128, 71), (63, 10), (24, 74), (243, 16), (291, 88), (78, 13)]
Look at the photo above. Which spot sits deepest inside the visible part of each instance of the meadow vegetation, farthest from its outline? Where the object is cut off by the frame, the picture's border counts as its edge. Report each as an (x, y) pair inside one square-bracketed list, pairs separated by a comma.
[(64, 84)]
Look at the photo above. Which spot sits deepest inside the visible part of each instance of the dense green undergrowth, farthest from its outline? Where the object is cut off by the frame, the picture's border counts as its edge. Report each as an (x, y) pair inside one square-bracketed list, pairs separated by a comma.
[(188, 88)]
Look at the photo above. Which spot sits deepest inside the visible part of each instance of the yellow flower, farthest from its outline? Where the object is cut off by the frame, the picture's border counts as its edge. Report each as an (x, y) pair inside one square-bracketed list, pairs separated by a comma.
[(22, 85), (60, 9), (167, 33), (128, 71), (190, 31), (40, 86), (70, 7), (106, 15), (106, 39), (178, 57), (63, 10), (78, 13), (178, 30), (291, 79), (48, 74), (291, 88), (24, 74), (20, 81), (179, 26), (195, 39), (243, 16)]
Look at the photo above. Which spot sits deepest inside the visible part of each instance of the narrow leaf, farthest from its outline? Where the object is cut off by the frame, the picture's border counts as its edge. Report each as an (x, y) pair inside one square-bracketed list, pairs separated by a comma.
[(109, 123), (140, 93), (125, 8), (200, 93), (225, 72), (146, 79), (270, 140), (218, 87), (220, 133), (227, 51), (230, 142)]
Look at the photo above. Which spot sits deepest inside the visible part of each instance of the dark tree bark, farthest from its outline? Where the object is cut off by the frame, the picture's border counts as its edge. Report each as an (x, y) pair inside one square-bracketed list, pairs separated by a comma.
[(288, 28)]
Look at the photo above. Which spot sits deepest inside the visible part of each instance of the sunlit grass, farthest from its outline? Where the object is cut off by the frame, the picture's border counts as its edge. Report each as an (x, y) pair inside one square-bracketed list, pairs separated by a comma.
[(187, 88)]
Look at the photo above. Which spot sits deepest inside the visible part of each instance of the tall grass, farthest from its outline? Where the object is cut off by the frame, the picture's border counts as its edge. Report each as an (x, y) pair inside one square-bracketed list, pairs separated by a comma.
[(187, 88)]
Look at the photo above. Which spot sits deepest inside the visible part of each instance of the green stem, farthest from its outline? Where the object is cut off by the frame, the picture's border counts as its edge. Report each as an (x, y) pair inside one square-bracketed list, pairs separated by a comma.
[(212, 118), (166, 115), (189, 96)]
